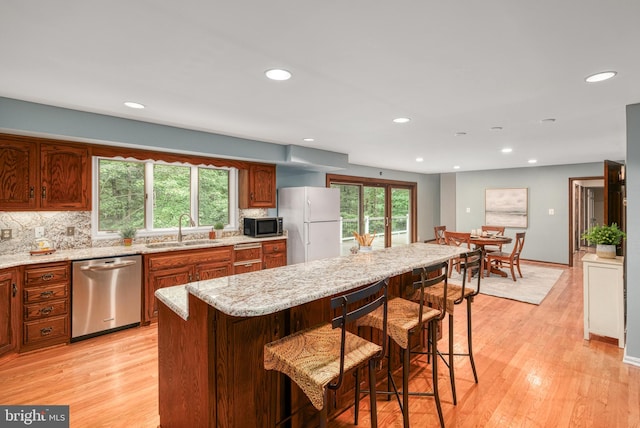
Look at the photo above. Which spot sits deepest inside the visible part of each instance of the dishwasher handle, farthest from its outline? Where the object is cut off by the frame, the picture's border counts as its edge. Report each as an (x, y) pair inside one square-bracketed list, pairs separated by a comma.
[(113, 266)]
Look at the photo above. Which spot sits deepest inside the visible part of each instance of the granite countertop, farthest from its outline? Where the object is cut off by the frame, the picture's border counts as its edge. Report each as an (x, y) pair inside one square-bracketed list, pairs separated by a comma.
[(13, 260), (272, 290)]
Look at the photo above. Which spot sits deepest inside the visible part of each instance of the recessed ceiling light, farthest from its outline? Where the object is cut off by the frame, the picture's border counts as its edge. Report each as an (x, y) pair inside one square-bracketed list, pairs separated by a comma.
[(460, 134), (507, 150), (599, 77), (548, 120), (496, 128), (532, 160), (308, 140), (278, 74), (401, 120), (419, 159), (131, 104), (456, 167)]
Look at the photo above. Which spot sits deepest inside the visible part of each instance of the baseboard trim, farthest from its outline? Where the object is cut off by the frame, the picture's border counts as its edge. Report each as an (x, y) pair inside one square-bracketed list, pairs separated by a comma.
[(634, 361)]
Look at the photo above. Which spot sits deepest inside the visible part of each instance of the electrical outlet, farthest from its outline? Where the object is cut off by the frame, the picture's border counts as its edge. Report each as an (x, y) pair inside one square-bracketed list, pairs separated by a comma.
[(6, 234), (71, 230), (39, 232)]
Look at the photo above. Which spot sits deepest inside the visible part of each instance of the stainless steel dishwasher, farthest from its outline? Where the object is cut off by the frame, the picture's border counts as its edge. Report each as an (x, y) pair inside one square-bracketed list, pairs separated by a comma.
[(106, 295)]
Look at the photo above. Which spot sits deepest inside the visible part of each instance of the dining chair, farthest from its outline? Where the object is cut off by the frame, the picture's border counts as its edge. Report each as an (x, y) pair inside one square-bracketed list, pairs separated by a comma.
[(316, 358), (498, 231), (501, 259), (451, 295), (406, 318), (457, 239), (438, 232)]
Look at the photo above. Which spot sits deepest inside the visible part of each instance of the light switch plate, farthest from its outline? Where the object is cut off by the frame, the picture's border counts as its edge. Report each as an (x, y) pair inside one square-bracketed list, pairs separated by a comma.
[(39, 232), (71, 230)]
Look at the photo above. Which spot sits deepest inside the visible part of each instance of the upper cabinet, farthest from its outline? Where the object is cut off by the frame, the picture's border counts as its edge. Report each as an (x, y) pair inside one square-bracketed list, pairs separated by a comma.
[(40, 174), (257, 186)]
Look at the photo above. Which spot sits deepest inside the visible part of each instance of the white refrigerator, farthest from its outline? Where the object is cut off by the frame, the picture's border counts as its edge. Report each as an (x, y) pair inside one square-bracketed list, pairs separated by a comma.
[(311, 217)]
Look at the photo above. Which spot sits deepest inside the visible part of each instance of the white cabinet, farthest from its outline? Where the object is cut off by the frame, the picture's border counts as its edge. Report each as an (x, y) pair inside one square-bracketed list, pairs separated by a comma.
[(604, 300)]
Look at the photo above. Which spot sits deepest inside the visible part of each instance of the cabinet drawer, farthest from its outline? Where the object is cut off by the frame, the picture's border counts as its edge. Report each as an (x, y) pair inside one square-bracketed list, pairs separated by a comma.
[(45, 293), (48, 309), (244, 267), (46, 329), (46, 275), (246, 254), (181, 258), (274, 247)]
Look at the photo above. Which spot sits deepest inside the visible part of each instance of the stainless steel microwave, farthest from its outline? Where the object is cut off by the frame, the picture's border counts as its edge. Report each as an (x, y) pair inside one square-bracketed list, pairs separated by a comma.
[(263, 226)]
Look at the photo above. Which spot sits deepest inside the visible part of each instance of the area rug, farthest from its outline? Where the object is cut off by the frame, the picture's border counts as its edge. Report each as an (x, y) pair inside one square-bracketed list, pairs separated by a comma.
[(536, 283)]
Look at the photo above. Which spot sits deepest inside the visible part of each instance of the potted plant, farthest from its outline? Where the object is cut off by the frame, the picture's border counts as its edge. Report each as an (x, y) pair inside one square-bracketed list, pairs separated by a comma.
[(127, 234), (606, 239), (217, 230)]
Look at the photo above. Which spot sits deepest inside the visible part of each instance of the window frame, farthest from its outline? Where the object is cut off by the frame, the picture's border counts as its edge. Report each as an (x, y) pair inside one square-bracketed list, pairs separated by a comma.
[(148, 205)]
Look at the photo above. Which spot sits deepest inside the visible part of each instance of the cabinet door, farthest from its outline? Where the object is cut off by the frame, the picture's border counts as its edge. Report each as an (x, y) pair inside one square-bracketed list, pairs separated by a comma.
[(160, 279), (257, 187), (8, 304), (212, 270), (65, 177), (18, 174), (274, 260)]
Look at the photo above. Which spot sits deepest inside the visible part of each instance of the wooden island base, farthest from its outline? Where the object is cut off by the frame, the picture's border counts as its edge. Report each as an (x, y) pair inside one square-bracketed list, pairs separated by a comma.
[(211, 367)]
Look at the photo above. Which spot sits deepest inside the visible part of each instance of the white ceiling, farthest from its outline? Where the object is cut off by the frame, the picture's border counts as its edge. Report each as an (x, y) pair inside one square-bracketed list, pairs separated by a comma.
[(450, 66)]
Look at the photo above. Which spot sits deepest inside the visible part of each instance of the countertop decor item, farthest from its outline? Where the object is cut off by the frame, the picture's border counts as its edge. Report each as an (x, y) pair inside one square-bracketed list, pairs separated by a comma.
[(606, 239), (217, 229), (364, 241), (127, 234)]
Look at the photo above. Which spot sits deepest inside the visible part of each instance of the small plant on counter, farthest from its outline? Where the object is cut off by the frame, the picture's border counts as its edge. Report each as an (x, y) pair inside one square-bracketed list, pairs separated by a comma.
[(604, 235), (218, 226), (127, 234)]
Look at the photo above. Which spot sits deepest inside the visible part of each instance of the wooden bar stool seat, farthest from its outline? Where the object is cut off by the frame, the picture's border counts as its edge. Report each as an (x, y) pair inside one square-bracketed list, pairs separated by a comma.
[(316, 358), (404, 319)]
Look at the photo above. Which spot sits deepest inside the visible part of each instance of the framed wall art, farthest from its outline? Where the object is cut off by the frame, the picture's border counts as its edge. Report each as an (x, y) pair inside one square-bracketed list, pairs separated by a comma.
[(506, 207)]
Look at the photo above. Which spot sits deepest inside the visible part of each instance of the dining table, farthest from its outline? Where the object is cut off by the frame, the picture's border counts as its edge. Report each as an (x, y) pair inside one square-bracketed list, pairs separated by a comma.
[(480, 241)]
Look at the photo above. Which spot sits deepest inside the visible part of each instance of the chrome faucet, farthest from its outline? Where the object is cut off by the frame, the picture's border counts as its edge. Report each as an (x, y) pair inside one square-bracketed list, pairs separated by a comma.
[(191, 223)]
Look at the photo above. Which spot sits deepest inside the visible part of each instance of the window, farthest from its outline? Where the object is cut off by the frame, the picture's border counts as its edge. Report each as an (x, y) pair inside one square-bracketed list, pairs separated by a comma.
[(152, 195)]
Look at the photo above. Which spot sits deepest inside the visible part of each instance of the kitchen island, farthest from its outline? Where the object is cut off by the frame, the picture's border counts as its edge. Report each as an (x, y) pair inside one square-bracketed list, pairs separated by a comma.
[(211, 334)]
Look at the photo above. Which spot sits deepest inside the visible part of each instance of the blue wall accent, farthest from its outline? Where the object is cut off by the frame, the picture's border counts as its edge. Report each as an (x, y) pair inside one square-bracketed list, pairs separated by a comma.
[(547, 236), (632, 172)]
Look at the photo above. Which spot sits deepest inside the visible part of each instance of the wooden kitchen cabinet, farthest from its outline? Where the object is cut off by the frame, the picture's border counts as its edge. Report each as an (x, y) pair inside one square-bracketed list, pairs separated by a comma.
[(181, 267), (9, 302), (38, 174), (274, 254), (247, 257), (45, 299), (257, 186)]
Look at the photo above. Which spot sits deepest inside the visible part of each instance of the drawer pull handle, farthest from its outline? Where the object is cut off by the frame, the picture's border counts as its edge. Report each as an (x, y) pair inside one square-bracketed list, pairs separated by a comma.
[(46, 294), (275, 248), (47, 310), (47, 276), (46, 331)]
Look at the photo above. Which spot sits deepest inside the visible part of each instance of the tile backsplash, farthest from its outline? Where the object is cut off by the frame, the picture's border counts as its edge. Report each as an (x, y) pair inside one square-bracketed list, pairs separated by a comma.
[(55, 224)]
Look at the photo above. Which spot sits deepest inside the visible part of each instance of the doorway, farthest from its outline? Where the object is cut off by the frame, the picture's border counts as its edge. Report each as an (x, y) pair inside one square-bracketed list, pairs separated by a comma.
[(386, 208), (587, 208)]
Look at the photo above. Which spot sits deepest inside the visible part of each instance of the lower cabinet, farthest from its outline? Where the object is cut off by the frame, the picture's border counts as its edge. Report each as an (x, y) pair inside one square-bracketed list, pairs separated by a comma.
[(45, 305), (9, 304), (274, 254), (604, 306), (181, 267)]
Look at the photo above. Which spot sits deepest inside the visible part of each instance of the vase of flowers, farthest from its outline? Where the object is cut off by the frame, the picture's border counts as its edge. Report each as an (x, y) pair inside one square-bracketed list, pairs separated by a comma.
[(606, 238)]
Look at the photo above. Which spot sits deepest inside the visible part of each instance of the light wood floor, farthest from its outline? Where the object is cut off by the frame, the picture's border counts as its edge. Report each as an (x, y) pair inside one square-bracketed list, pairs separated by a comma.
[(535, 370)]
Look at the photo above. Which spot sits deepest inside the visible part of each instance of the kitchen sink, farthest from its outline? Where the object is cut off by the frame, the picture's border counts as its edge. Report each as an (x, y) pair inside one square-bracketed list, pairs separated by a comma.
[(165, 244), (199, 242), (171, 244)]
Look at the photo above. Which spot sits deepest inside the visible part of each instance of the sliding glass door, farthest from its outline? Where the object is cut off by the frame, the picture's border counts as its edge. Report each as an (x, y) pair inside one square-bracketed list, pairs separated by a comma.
[(382, 208)]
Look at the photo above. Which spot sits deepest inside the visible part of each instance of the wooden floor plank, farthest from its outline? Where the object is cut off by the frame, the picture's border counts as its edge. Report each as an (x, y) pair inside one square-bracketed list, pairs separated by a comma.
[(534, 367)]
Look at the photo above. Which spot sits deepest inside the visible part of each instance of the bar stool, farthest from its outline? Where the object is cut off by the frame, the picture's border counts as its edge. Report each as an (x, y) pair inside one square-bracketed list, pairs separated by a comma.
[(456, 294), (317, 357), (406, 318)]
